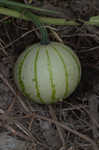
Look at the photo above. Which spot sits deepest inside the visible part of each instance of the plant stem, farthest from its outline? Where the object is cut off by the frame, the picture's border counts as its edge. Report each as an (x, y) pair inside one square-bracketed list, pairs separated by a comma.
[(35, 19), (46, 20), (26, 6), (58, 21)]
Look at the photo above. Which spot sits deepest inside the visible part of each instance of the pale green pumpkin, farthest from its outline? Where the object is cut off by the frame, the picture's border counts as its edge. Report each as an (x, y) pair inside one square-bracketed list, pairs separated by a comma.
[(47, 73)]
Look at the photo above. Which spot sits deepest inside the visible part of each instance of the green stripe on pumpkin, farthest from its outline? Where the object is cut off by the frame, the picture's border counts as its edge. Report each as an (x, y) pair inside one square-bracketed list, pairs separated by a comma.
[(20, 73), (76, 61), (36, 77), (51, 78), (65, 70)]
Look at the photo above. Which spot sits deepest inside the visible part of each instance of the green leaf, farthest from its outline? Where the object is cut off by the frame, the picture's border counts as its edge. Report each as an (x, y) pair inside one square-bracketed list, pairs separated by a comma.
[(10, 4), (94, 20), (45, 20)]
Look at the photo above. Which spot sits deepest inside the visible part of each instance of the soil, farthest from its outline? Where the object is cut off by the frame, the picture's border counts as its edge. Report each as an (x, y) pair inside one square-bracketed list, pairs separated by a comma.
[(69, 125)]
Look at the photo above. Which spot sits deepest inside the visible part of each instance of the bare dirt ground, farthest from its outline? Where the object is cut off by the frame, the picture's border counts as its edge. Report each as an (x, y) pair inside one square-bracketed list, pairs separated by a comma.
[(69, 125)]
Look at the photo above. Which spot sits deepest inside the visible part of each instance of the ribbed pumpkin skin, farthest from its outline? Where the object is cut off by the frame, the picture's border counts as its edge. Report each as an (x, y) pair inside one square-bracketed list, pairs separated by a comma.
[(47, 73)]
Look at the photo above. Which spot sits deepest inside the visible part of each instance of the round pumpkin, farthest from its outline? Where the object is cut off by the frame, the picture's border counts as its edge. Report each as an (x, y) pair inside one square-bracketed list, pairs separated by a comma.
[(47, 73)]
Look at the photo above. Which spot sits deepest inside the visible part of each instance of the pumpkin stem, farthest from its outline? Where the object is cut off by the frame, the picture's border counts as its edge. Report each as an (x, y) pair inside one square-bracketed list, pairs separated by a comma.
[(36, 21)]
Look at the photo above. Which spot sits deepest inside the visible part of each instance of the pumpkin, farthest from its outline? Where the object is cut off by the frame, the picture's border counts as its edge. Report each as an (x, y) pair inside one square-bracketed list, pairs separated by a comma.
[(47, 73)]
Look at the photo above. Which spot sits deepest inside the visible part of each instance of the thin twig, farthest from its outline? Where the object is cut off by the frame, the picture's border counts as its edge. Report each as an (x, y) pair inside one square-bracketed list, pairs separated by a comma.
[(11, 105), (13, 91), (27, 135), (64, 126), (23, 35), (89, 50), (86, 138), (53, 115), (30, 124), (3, 47)]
